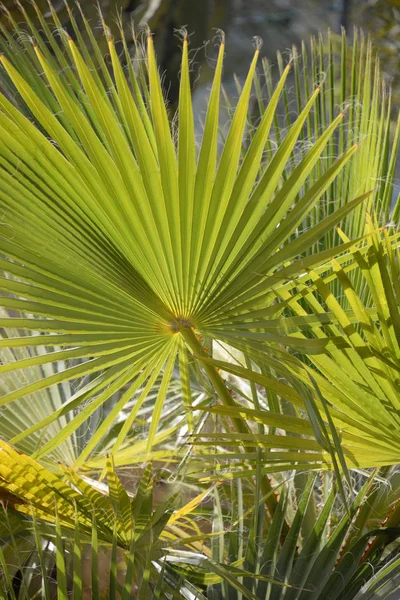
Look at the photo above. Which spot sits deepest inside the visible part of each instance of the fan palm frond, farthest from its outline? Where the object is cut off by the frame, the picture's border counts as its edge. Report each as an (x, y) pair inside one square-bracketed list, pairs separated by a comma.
[(120, 243)]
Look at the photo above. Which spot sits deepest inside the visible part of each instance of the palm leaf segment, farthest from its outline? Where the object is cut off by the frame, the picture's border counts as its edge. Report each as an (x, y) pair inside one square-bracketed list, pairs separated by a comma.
[(118, 243)]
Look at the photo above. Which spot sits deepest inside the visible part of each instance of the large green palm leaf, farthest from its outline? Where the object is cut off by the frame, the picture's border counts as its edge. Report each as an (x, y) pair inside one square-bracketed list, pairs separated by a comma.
[(119, 242)]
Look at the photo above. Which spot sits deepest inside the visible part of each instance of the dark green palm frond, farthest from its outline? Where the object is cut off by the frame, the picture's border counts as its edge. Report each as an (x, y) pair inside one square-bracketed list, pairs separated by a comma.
[(328, 557)]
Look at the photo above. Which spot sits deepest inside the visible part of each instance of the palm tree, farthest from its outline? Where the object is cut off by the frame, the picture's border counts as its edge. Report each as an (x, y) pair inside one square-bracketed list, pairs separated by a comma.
[(137, 266)]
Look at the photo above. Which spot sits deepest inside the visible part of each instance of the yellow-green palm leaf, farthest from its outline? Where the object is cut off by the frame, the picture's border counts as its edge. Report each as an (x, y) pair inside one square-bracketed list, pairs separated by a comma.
[(119, 241)]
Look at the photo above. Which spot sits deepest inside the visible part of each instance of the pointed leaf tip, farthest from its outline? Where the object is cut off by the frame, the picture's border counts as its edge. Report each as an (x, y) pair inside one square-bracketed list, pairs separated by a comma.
[(108, 34), (258, 42)]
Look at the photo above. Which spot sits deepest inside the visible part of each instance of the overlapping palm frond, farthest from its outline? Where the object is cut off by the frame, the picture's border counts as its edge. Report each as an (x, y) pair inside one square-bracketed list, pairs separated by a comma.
[(344, 401), (359, 379), (125, 534)]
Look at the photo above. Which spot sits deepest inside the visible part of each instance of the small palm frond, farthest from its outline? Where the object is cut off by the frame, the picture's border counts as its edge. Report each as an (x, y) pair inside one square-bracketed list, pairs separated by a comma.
[(76, 515)]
